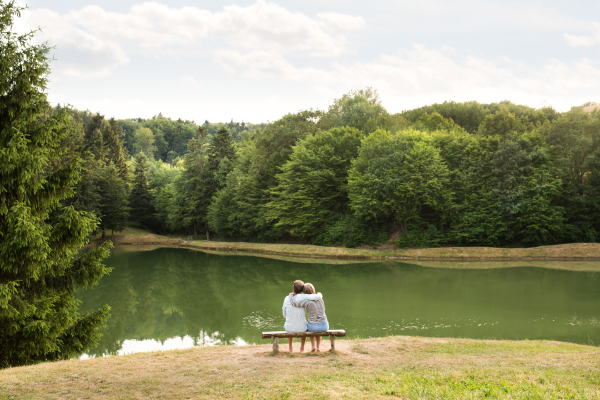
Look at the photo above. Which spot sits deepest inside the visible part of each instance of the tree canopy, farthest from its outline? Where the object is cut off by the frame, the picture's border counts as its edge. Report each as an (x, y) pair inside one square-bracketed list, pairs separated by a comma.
[(39, 235)]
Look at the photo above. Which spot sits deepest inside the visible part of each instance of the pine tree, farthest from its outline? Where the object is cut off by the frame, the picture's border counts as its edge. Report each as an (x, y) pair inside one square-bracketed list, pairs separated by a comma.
[(97, 147), (39, 266), (116, 151), (92, 123), (221, 146), (113, 206), (140, 198), (193, 196), (220, 159)]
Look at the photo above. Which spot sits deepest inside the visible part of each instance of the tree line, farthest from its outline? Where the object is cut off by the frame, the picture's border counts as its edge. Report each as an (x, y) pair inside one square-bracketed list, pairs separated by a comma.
[(467, 174)]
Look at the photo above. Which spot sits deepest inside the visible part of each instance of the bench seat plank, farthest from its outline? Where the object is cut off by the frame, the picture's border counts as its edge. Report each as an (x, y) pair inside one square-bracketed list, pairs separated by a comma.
[(284, 334)]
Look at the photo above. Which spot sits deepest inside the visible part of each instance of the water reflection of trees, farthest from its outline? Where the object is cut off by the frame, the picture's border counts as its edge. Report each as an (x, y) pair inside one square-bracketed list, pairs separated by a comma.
[(165, 293)]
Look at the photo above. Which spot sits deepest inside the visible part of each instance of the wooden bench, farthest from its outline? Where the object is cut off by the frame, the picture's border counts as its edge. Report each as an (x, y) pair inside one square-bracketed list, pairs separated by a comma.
[(283, 334)]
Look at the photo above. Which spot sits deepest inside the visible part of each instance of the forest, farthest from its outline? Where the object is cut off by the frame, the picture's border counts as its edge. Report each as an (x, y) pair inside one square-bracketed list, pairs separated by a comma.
[(462, 174)]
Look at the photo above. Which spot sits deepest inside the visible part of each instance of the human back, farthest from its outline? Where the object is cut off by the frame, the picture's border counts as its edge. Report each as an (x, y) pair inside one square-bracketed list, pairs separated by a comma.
[(295, 320)]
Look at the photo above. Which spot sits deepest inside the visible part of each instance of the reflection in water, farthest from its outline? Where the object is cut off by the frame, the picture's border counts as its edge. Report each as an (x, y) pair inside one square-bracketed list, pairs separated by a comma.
[(179, 298), (130, 346)]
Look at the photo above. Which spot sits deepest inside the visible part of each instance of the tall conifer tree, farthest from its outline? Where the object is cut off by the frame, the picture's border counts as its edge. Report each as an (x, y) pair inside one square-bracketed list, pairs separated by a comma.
[(140, 198), (220, 159), (39, 266), (113, 207), (116, 151), (194, 185)]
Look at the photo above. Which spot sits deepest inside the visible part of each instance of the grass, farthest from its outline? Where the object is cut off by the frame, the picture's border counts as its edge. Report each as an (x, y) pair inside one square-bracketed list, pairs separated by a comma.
[(136, 236), (572, 251), (396, 366)]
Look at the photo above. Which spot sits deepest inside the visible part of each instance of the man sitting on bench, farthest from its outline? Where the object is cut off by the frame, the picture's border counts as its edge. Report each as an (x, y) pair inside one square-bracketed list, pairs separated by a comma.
[(295, 319)]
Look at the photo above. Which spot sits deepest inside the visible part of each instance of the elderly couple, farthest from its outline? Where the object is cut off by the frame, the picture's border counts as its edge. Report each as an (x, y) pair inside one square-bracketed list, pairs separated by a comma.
[(302, 297)]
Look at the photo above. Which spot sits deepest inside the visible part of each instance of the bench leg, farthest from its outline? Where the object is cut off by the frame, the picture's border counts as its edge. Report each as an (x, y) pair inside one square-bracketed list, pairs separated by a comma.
[(332, 338), (275, 345)]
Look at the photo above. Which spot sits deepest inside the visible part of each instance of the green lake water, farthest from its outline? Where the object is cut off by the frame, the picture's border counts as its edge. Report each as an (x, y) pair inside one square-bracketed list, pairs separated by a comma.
[(178, 298)]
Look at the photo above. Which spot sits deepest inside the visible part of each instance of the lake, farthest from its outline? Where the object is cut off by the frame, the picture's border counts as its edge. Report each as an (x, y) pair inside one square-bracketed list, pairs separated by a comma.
[(170, 298)]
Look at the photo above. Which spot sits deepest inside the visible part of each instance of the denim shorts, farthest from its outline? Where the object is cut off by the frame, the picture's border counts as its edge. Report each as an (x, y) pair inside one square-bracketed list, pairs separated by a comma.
[(318, 327)]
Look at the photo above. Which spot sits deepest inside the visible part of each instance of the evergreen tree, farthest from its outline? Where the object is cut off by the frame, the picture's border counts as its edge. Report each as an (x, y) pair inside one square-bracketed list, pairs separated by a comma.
[(221, 155), (193, 195), (113, 207), (39, 266), (87, 196), (92, 123), (221, 147), (97, 147), (140, 198), (116, 151)]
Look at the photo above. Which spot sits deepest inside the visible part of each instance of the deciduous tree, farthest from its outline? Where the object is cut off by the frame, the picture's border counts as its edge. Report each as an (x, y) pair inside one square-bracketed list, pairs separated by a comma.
[(395, 176)]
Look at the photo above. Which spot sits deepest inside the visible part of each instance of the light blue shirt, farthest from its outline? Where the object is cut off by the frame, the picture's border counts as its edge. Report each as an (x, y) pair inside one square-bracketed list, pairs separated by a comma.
[(295, 319)]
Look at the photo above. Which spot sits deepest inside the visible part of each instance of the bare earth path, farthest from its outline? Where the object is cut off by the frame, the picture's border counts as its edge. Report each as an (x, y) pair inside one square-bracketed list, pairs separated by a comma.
[(400, 366)]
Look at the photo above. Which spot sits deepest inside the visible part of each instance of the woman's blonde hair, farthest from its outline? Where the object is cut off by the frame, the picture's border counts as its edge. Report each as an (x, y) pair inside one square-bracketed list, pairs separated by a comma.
[(309, 288)]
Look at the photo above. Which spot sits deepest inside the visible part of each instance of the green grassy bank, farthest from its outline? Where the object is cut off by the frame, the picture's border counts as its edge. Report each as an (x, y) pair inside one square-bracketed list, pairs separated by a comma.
[(397, 366), (570, 252)]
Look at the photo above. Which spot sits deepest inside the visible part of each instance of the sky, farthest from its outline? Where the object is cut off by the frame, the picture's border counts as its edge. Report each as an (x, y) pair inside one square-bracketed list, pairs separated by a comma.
[(256, 61)]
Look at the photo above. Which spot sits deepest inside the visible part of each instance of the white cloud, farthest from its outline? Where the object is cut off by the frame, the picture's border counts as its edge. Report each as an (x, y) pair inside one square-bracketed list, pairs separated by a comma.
[(343, 21), (190, 81), (430, 73), (78, 53), (585, 41), (270, 44), (94, 41)]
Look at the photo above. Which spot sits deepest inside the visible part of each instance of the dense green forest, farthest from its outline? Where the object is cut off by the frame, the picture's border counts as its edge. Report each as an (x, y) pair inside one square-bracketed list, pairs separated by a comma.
[(467, 174)]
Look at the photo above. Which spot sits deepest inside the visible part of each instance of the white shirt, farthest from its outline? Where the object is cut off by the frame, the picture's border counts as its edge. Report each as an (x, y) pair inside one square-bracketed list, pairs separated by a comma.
[(295, 321)]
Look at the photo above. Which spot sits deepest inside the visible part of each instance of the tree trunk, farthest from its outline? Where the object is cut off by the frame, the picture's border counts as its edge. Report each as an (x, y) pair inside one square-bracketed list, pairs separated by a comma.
[(194, 225), (103, 234), (403, 228), (207, 237), (112, 235)]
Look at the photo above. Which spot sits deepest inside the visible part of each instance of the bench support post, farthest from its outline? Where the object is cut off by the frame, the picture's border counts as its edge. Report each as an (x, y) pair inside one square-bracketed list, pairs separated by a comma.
[(275, 344), (332, 342)]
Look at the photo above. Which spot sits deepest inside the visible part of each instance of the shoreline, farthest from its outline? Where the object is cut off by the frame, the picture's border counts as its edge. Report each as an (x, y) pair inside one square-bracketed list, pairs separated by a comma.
[(397, 366), (584, 251), (561, 252)]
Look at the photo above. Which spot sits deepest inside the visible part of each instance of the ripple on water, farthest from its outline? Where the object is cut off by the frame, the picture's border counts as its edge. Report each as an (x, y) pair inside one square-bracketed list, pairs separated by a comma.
[(263, 320)]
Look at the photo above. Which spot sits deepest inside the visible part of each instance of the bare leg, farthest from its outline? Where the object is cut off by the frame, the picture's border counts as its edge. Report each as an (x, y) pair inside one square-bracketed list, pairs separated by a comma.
[(318, 343), (290, 339), (302, 341), (312, 343)]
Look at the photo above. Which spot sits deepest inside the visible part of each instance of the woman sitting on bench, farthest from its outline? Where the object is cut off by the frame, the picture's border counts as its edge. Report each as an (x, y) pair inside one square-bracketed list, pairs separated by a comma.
[(317, 320)]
